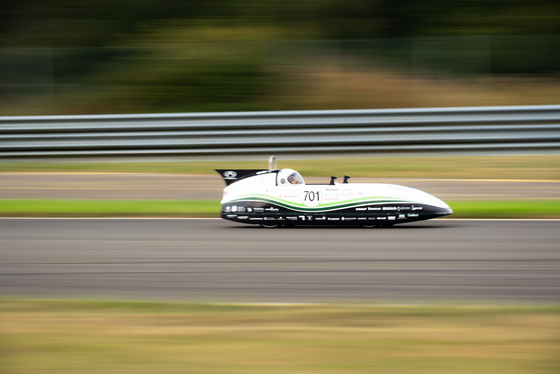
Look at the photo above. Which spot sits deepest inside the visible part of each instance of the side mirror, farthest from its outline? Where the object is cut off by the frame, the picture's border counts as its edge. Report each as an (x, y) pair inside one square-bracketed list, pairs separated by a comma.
[(332, 180), (346, 177)]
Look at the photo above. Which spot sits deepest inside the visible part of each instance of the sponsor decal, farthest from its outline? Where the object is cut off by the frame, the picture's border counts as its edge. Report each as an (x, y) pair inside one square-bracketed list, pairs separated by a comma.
[(269, 218), (323, 218), (333, 219), (382, 218), (310, 218), (272, 209), (289, 196), (362, 218), (374, 208), (391, 218), (230, 174), (231, 215), (258, 209), (256, 219), (227, 209), (348, 218), (390, 208), (417, 207), (242, 217), (302, 218), (234, 208), (361, 209), (250, 210), (402, 216), (241, 209), (291, 218), (413, 214)]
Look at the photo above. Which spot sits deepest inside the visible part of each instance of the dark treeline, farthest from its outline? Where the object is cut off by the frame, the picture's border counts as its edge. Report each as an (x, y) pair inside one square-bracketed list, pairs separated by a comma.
[(85, 23), (98, 56)]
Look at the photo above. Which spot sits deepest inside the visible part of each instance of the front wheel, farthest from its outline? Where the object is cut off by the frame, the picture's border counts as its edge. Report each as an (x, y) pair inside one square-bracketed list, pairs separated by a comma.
[(269, 225)]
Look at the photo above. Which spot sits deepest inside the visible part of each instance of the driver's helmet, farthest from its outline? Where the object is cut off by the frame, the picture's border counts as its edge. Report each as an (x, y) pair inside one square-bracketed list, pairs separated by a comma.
[(289, 176), (294, 179)]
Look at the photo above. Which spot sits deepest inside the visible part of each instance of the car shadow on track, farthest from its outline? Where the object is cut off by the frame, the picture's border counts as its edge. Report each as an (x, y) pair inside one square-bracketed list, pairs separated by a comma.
[(396, 227)]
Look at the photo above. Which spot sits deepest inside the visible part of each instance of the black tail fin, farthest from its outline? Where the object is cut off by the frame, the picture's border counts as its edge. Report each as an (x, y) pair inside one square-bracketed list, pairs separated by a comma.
[(230, 176)]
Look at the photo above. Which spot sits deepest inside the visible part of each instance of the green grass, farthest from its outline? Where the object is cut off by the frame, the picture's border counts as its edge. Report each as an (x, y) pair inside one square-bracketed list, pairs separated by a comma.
[(211, 208), (487, 167), (506, 209), (92, 337), (108, 208)]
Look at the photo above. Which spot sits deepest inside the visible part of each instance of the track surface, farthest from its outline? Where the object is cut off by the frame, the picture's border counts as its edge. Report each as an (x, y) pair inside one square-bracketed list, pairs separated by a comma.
[(467, 261), (180, 186)]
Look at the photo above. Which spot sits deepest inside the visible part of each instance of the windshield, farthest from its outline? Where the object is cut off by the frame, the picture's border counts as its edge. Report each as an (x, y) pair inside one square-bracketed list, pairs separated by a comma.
[(289, 176), (295, 178)]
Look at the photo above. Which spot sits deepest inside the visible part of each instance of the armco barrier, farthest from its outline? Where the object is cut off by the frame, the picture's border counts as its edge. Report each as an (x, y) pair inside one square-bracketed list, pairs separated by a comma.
[(518, 129)]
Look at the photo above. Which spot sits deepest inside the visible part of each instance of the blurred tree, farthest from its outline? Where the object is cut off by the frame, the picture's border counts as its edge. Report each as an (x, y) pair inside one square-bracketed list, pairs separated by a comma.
[(186, 67), (99, 22), (186, 55)]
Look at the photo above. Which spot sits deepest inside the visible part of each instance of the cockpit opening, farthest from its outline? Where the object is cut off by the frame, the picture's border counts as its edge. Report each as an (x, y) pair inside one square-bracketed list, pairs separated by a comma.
[(295, 178), (289, 176)]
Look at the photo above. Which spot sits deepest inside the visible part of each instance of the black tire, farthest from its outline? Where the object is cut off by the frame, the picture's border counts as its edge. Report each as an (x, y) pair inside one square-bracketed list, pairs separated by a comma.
[(270, 225)]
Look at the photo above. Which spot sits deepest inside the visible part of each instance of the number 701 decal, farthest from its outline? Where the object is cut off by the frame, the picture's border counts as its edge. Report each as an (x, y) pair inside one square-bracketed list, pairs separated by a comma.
[(311, 198)]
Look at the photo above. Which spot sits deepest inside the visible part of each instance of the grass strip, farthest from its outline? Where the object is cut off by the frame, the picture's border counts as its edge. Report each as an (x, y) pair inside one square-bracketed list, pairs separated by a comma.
[(108, 208), (470, 167), (506, 209), (211, 208), (93, 337)]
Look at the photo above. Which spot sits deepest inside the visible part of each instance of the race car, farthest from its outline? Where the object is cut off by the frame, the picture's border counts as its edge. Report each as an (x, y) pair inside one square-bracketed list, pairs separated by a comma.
[(280, 197)]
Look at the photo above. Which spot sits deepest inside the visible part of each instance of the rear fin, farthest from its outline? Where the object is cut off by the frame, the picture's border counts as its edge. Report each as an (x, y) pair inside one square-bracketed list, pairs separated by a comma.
[(230, 176)]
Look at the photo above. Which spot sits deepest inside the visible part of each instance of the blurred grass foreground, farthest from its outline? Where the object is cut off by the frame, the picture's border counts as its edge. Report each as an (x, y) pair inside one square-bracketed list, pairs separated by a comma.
[(134, 337)]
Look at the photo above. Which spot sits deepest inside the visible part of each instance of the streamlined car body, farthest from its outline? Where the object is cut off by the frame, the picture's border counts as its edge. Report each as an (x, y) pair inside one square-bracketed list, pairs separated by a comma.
[(280, 197)]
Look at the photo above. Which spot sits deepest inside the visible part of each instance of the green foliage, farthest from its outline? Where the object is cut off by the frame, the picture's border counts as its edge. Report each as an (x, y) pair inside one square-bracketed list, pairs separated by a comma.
[(184, 77), (63, 23), (199, 55), (94, 22)]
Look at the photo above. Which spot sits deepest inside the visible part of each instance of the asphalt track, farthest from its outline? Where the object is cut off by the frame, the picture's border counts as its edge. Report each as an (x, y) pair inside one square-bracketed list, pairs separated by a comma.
[(119, 186), (444, 260)]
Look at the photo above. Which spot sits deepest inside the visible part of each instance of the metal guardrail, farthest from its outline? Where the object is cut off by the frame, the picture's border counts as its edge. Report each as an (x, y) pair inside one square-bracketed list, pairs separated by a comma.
[(514, 129)]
